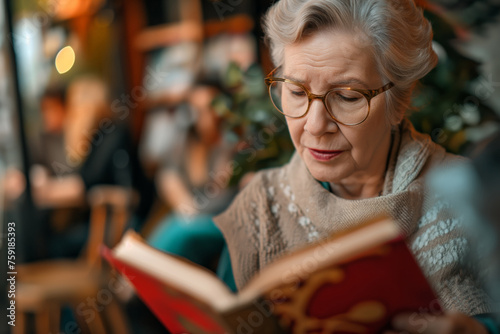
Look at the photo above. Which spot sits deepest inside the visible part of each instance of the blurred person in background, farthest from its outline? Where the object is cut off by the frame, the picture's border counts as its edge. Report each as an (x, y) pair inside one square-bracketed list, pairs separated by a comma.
[(194, 184), (88, 147), (190, 42)]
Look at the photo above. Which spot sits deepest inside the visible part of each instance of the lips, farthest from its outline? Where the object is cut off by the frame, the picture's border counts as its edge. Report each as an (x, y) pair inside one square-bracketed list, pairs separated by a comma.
[(323, 155)]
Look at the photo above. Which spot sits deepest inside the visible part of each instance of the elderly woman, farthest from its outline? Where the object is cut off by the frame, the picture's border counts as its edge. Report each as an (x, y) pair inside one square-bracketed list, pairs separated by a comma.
[(345, 74)]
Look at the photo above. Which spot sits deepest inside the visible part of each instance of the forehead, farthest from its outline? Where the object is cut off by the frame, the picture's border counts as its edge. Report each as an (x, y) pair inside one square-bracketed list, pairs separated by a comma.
[(328, 56)]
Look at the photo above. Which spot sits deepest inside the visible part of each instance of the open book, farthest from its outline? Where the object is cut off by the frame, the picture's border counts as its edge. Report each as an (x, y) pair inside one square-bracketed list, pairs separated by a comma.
[(354, 282)]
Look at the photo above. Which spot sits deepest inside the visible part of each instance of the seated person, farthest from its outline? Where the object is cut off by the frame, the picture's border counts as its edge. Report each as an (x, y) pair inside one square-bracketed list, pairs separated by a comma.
[(194, 183), (344, 77), (88, 148)]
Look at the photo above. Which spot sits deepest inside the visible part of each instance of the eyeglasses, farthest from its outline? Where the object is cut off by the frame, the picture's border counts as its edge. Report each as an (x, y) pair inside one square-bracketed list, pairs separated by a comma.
[(346, 105)]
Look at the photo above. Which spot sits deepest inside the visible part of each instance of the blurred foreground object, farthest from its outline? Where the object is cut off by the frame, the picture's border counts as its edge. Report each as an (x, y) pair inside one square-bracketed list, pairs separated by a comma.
[(45, 287), (473, 189)]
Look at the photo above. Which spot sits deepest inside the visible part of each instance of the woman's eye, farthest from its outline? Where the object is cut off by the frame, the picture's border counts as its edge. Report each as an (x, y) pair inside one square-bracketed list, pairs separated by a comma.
[(347, 98), (298, 93)]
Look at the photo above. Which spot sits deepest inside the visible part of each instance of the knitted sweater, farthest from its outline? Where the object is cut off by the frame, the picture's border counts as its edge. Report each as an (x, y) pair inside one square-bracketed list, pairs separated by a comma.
[(283, 209)]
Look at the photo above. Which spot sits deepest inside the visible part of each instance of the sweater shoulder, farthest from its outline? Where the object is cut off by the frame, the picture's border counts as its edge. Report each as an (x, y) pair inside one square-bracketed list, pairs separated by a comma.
[(244, 225), (440, 158), (247, 207)]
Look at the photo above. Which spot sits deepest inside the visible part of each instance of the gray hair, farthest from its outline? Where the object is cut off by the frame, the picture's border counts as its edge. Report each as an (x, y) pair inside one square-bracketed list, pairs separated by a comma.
[(396, 31)]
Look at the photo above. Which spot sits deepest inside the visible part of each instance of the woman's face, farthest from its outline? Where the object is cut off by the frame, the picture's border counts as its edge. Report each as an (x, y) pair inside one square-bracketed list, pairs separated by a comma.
[(334, 152), (207, 120)]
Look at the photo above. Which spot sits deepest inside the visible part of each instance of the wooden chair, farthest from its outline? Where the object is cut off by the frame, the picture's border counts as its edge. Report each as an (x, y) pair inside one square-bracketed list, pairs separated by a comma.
[(45, 287)]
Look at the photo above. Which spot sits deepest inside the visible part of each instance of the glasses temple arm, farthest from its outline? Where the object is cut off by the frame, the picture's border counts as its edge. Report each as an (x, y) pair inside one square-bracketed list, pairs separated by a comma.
[(384, 88)]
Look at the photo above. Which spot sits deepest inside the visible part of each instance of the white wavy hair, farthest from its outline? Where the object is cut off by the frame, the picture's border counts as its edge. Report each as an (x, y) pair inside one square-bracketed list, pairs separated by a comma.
[(396, 31)]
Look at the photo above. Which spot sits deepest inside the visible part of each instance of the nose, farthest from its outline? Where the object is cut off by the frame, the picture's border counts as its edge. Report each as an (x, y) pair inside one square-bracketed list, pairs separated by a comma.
[(318, 120)]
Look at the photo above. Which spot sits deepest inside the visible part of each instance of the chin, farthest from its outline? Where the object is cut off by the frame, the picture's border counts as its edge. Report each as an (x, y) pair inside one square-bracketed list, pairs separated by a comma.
[(332, 171), (325, 173)]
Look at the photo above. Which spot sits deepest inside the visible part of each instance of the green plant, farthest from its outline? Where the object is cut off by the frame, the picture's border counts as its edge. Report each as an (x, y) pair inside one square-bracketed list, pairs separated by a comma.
[(251, 122), (449, 106)]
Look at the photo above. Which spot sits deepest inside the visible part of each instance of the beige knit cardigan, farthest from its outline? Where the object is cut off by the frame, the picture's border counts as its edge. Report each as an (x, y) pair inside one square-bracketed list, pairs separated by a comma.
[(285, 208)]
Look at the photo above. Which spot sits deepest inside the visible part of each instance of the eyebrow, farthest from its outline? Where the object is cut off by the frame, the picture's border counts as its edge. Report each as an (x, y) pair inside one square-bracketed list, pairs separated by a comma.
[(345, 83)]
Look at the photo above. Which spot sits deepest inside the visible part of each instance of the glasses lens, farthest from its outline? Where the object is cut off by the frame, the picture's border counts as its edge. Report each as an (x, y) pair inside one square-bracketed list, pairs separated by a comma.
[(290, 99), (347, 106)]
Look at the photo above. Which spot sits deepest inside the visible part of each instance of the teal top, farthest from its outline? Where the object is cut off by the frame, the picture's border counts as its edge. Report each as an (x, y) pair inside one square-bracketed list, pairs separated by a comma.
[(490, 322)]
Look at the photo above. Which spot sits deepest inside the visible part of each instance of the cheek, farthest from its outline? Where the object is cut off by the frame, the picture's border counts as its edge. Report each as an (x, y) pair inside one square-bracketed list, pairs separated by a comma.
[(369, 140), (295, 128), (363, 143), (378, 113)]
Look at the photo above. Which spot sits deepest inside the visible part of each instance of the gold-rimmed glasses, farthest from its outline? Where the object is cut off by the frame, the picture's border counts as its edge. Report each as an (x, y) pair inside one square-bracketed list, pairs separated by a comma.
[(346, 105)]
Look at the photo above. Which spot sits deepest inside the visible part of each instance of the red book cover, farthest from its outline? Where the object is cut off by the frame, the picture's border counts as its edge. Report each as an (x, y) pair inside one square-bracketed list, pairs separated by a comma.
[(360, 295)]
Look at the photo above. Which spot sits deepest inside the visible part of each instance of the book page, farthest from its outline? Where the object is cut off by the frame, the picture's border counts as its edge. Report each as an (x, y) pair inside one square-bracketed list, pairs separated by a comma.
[(182, 274)]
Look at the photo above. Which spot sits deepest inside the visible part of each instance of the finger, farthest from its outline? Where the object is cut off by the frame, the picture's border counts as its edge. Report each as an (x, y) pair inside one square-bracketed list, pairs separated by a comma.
[(450, 323)]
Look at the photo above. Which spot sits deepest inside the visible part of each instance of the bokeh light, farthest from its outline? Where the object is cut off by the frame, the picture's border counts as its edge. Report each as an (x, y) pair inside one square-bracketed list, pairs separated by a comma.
[(65, 59)]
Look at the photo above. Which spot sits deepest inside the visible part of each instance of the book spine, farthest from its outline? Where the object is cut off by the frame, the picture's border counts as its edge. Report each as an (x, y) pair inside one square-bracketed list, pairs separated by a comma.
[(254, 318)]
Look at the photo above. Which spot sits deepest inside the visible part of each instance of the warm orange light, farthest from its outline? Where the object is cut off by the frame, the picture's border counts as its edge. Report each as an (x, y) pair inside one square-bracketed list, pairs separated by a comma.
[(65, 59)]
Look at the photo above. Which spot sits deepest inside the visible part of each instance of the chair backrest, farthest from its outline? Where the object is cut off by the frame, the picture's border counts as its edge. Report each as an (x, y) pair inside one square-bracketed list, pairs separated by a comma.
[(110, 211)]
